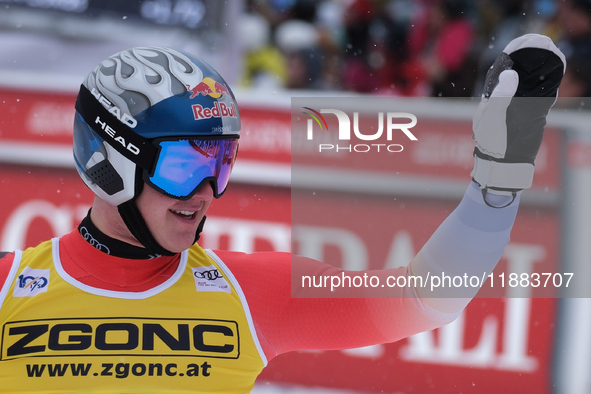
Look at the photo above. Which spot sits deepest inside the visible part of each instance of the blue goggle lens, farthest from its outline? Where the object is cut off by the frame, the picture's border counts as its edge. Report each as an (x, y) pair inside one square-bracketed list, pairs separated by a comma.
[(184, 165)]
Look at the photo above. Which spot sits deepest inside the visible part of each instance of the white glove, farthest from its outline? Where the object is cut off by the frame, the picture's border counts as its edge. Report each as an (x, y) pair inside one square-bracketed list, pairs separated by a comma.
[(521, 87)]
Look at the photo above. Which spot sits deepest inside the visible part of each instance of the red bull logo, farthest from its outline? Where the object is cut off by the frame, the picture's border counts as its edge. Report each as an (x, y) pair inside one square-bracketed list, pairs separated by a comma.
[(208, 87), (218, 110), (221, 89)]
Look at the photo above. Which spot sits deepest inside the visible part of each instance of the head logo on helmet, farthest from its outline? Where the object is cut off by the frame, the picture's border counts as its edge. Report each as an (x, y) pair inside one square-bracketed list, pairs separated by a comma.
[(115, 111)]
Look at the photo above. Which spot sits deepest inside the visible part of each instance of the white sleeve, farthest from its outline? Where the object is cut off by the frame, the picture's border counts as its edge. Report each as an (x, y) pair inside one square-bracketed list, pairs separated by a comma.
[(468, 243)]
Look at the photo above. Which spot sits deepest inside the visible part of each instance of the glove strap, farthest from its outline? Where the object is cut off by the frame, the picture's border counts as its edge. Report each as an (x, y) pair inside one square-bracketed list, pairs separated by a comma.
[(498, 175), (485, 192)]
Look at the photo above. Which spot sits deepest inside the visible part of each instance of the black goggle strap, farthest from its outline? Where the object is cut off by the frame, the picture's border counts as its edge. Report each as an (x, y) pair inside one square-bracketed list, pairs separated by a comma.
[(120, 136)]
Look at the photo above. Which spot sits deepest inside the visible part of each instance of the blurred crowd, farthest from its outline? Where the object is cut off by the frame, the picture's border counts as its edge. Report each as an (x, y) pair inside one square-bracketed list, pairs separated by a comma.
[(439, 48)]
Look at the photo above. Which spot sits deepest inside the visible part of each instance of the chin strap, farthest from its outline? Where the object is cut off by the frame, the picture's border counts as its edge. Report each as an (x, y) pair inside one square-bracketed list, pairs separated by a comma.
[(136, 224), (200, 229), (139, 229)]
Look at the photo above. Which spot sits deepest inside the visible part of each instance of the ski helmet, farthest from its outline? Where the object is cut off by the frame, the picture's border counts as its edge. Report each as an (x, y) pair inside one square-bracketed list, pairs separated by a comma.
[(159, 116)]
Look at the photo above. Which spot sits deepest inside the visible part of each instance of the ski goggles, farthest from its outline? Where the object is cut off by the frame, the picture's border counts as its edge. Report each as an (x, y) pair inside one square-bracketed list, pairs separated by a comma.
[(184, 165)]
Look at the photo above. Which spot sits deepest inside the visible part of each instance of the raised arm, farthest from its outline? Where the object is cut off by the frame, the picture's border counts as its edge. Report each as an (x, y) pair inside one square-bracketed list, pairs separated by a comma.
[(521, 87), (291, 316)]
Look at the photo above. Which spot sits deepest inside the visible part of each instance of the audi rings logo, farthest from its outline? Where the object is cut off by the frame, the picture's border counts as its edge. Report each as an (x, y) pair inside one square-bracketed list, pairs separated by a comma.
[(90, 239), (209, 274), (210, 279)]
